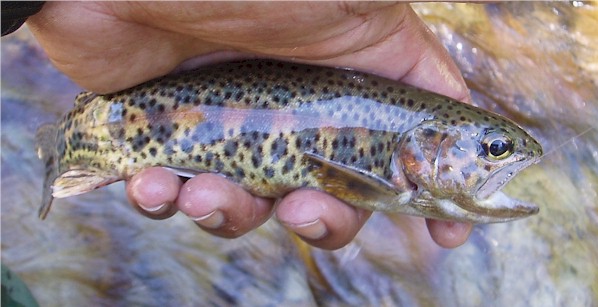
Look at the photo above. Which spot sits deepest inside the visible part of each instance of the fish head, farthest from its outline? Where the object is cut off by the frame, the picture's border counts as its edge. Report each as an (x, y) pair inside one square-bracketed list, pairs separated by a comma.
[(466, 165)]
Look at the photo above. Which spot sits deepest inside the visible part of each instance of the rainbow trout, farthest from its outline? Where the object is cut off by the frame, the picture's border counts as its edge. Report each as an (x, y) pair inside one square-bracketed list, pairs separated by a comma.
[(274, 127)]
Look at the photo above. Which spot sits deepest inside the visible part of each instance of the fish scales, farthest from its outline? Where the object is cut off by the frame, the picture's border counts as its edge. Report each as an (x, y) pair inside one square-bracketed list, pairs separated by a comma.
[(270, 126), (179, 121)]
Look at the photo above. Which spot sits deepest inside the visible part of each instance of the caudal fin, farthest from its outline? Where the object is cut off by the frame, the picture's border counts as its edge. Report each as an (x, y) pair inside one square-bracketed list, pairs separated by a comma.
[(46, 138)]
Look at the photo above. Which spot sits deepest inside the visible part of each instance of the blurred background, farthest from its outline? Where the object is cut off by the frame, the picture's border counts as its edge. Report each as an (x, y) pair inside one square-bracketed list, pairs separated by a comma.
[(535, 62)]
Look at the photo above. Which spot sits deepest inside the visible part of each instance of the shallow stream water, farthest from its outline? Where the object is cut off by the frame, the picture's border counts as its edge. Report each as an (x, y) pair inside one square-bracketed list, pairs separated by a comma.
[(536, 63)]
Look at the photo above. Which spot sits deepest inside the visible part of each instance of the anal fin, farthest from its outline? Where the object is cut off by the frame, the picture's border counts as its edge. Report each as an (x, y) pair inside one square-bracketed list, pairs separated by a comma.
[(79, 181)]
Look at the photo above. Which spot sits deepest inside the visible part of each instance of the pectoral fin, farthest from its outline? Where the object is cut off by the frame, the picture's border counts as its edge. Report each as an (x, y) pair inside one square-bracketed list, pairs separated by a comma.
[(355, 186)]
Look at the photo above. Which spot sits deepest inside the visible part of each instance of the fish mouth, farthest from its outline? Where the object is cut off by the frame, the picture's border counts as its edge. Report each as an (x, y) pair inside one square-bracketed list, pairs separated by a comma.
[(491, 202), (501, 177), (496, 207)]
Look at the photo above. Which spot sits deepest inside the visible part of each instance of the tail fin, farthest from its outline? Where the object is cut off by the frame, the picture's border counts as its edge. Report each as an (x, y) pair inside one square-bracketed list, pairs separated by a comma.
[(46, 138)]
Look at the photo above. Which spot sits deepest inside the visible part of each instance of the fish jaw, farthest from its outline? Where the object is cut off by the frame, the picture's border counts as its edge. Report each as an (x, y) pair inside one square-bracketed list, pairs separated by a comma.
[(490, 199), (513, 208), (501, 177), (497, 208), (494, 205)]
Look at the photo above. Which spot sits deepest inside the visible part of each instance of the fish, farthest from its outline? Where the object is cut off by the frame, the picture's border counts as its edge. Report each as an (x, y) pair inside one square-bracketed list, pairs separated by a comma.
[(274, 127)]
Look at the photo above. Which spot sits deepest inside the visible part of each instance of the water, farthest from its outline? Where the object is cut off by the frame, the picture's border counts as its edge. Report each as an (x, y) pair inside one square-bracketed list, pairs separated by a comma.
[(537, 63)]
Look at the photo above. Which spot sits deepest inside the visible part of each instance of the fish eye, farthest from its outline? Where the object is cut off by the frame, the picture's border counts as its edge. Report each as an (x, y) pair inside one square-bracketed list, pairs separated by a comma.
[(497, 147)]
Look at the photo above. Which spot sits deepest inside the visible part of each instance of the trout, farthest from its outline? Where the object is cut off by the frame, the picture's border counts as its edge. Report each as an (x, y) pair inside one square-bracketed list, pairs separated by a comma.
[(273, 127)]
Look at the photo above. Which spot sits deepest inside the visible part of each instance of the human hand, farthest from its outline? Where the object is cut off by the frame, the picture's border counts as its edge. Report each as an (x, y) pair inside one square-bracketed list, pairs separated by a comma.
[(121, 44)]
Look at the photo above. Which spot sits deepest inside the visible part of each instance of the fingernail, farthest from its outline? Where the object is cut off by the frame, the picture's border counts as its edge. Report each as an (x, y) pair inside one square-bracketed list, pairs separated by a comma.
[(155, 209), (212, 220), (313, 230)]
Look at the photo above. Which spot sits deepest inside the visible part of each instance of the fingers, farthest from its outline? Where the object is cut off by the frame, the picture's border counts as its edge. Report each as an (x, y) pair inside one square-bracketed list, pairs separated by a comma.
[(221, 207), (215, 204), (434, 69), (153, 192), (320, 219), (448, 234)]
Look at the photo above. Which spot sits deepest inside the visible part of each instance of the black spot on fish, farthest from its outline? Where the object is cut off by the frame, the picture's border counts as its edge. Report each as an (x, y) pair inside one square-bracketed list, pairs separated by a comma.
[(186, 146), (278, 149), (298, 143), (429, 133), (168, 150), (138, 142), (219, 165), (239, 173), (209, 157), (466, 175), (256, 160), (230, 148), (268, 172), (288, 165), (239, 95), (208, 133)]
